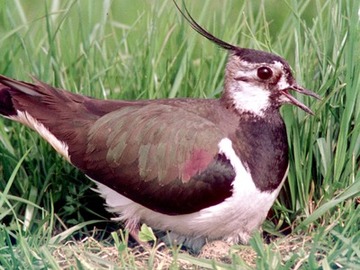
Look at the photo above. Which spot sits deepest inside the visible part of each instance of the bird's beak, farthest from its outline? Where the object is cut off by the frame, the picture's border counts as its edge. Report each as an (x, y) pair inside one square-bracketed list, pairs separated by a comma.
[(300, 90)]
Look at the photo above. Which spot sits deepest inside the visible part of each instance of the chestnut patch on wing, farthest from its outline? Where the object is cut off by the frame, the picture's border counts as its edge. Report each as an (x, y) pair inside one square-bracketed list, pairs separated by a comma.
[(198, 161)]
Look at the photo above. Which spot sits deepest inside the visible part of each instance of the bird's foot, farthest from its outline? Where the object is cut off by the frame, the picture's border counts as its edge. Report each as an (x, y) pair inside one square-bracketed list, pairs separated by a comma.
[(191, 244)]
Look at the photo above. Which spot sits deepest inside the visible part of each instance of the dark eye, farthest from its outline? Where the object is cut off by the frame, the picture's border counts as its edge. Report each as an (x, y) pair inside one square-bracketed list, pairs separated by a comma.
[(264, 73)]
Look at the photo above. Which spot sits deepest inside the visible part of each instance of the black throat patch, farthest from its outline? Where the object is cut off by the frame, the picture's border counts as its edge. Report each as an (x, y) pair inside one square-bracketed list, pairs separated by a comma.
[(261, 144)]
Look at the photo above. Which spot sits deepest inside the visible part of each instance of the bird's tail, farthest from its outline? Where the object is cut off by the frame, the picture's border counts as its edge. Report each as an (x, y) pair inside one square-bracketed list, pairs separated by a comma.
[(38, 99), (59, 116)]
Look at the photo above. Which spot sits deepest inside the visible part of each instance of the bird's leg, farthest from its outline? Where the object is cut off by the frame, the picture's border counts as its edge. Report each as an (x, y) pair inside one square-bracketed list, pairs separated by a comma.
[(190, 244), (133, 228)]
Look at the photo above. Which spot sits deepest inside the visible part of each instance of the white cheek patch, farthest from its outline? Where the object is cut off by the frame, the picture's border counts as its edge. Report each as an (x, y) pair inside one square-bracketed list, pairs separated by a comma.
[(251, 98), (26, 119)]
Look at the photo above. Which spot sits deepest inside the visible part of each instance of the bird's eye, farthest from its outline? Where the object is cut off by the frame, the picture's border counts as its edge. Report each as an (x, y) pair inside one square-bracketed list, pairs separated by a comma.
[(264, 73)]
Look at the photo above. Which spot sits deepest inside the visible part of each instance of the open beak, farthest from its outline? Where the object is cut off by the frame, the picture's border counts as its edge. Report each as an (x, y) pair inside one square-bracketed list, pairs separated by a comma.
[(300, 90)]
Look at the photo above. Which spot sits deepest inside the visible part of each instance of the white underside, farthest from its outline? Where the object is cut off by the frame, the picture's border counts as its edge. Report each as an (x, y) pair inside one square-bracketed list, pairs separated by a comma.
[(233, 220)]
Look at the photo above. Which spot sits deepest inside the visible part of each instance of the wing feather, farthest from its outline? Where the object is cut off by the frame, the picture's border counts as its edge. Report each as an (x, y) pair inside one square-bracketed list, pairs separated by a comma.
[(159, 149)]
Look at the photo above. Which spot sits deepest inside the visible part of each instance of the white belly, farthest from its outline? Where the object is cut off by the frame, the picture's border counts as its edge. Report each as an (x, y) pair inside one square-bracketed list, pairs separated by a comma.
[(233, 220)]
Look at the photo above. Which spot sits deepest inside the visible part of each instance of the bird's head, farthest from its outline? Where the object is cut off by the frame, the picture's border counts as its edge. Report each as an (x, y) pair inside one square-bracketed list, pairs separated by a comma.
[(255, 81)]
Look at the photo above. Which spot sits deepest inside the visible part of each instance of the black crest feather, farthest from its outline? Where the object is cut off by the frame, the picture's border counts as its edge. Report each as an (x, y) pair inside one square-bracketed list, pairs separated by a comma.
[(198, 28)]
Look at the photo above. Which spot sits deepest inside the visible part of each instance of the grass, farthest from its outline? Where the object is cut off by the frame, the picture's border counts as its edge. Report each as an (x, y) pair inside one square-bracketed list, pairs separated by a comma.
[(49, 217)]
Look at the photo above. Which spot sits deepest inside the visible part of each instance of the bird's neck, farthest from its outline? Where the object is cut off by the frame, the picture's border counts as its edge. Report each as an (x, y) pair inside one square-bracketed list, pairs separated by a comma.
[(261, 144)]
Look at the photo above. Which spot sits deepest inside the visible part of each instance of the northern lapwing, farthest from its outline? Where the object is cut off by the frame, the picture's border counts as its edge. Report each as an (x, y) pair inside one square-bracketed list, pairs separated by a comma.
[(200, 168)]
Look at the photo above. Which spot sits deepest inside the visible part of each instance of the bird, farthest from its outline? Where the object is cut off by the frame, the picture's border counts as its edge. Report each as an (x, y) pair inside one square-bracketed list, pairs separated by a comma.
[(201, 169)]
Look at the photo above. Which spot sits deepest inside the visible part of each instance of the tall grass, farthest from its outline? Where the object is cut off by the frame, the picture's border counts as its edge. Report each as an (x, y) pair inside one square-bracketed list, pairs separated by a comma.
[(137, 50)]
